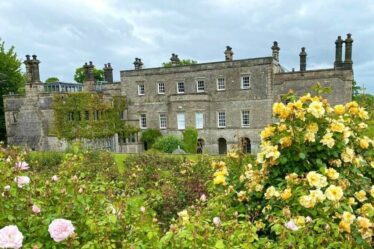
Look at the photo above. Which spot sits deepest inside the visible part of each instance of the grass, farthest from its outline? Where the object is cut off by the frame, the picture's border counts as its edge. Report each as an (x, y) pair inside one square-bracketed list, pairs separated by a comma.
[(370, 130)]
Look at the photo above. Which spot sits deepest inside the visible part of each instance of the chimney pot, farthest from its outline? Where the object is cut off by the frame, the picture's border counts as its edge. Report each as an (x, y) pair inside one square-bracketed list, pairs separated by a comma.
[(229, 55), (303, 55)]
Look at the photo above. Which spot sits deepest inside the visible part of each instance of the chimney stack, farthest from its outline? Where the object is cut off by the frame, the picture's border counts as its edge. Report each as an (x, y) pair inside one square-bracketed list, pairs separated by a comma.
[(32, 69), (108, 73), (174, 60), (275, 48), (348, 52), (338, 52), (229, 55), (303, 55), (138, 64), (89, 71)]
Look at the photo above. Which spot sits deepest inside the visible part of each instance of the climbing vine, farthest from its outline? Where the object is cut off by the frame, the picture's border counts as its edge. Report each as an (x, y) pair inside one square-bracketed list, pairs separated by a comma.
[(89, 115)]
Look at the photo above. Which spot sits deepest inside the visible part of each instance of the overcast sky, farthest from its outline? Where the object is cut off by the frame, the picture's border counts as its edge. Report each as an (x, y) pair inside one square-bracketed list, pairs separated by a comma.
[(66, 33)]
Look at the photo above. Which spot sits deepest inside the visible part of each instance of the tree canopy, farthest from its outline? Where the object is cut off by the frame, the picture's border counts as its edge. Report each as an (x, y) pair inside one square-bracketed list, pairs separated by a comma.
[(79, 74), (183, 62), (52, 80), (11, 79)]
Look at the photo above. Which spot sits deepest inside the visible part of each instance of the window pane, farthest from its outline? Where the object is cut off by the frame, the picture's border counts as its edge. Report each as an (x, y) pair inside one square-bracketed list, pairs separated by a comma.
[(245, 118), (200, 86), (245, 82), (162, 121), (221, 119), (199, 116), (143, 121), (180, 87), (141, 89), (161, 87), (181, 121), (221, 84)]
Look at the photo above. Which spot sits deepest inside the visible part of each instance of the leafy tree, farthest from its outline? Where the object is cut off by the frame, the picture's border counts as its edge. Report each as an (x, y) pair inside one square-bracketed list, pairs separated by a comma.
[(181, 63), (79, 74), (11, 79), (150, 136), (52, 79), (355, 89), (190, 140), (167, 144)]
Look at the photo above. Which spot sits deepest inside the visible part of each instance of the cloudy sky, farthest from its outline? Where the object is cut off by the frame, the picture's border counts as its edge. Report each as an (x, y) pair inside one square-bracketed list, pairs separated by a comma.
[(66, 33)]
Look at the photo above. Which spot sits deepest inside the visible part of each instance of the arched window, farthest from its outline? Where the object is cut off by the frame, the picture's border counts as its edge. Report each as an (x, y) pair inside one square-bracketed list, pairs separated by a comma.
[(222, 145), (246, 144)]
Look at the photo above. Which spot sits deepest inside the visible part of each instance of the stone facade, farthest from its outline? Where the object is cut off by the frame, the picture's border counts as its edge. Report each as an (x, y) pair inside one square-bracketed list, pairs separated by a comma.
[(229, 102)]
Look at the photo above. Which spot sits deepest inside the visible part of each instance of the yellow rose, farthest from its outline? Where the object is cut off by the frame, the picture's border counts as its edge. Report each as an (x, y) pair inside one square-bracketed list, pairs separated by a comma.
[(361, 196), (307, 201), (362, 125), (316, 109), (334, 193), (372, 164), (313, 127), (339, 109), (364, 142), (233, 155), (348, 217), (310, 137), (286, 194), (328, 140), (271, 192), (352, 201), (332, 173), (267, 132), (282, 127), (367, 209), (362, 113), (348, 155), (363, 222), (285, 142), (219, 179), (318, 195), (184, 216), (242, 196), (305, 98), (345, 226), (316, 180), (337, 127)]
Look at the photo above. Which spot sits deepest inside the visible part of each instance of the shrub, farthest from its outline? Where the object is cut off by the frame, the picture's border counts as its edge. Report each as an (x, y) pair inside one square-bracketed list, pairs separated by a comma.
[(190, 140), (150, 136), (167, 144), (44, 161)]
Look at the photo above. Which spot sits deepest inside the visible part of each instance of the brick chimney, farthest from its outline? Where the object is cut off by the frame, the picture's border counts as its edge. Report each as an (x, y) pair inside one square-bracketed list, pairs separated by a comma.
[(229, 55), (338, 52), (348, 52), (34, 85), (275, 48), (303, 55), (89, 78), (108, 73), (138, 64), (174, 60)]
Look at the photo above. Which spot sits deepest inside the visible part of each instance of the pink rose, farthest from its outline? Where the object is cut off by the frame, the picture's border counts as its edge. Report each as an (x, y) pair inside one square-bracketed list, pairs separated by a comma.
[(10, 237), (203, 198), (22, 181), (217, 221), (7, 187), (60, 229), (291, 225), (55, 178), (35, 209), (22, 165)]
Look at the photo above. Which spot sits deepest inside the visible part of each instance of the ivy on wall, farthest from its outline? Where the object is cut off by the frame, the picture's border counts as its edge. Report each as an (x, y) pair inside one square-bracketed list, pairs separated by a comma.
[(89, 115)]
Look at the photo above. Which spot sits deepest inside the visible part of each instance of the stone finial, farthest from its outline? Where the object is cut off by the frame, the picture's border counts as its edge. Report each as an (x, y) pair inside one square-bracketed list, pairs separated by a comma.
[(89, 71), (229, 55), (303, 55), (275, 48), (138, 64), (108, 73), (348, 52), (174, 59)]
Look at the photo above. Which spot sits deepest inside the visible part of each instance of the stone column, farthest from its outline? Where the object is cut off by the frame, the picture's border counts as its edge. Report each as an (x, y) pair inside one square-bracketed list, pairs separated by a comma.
[(229, 55), (338, 52), (303, 55), (35, 70), (275, 48), (28, 66), (348, 52)]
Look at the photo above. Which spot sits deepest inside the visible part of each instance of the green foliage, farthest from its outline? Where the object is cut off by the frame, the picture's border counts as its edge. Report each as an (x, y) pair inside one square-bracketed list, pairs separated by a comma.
[(52, 80), (182, 62), (79, 74), (168, 143), (190, 140), (355, 89), (150, 136), (88, 115), (11, 79), (45, 161)]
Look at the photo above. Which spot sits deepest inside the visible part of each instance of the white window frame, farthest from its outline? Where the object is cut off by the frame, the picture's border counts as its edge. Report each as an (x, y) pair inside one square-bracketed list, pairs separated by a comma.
[(224, 84), (181, 123), (242, 81), (242, 118), (184, 88), (140, 86), (219, 124), (143, 121), (199, 123), (163, 120), (198, 88), (158, 87)]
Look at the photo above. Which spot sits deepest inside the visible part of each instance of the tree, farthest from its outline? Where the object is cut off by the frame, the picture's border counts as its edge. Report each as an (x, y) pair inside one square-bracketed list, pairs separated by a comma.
[(190, 140), (79, 74), (181, 63), (52, 80), (355, 89), (11, 79), (150, 136)]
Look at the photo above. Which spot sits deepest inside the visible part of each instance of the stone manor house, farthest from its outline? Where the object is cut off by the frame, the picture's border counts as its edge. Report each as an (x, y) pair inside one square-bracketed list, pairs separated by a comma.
[(227, 101)]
